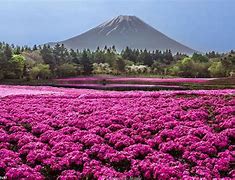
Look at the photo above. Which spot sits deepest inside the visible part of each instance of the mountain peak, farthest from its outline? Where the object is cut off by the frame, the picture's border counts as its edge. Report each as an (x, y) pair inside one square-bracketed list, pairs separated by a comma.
[(122, 24), (126, 17), (123, 31), (117, 20)]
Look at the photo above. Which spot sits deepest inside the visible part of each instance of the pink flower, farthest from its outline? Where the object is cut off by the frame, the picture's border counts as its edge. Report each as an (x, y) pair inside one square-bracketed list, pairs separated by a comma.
[(85, 134)]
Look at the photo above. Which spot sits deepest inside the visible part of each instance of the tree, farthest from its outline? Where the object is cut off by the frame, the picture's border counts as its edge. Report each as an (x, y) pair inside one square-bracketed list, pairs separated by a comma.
[(101, 68), (105, 47), (158, 67), (146, 58), (8, 52), (17, 50), (74, 56), (228, 64), (5, 56), (130, 54), (110, 58), (113, 48), (201, 69), (199, 58), (167, 57), (26, 74), (185, 68), (35, 48), (61, 54), (17, 63), (3, 65), (57, 54), (120, 65), (40, 71), (86, 63), (217, 69), (48, 57), (188, 67), (66, 70), (137, 69), (99, 57)]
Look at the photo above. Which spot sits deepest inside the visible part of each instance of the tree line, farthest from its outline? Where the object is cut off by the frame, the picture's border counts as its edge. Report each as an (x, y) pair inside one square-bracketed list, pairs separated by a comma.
[(44, 62)]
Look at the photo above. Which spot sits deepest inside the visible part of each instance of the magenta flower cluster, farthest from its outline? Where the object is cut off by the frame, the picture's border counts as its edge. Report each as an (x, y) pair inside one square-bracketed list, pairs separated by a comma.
[(122, 135)]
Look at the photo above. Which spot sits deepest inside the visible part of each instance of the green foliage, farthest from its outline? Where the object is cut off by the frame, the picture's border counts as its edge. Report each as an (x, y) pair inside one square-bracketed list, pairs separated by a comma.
[(110, 57), (130, 54), (33, 57), (189, 67), (213, 54), (8, 52), (48, 57), (18, 59), (120, 65), (61, 54), (201, 69), (217, 69), (42, 62), (158, 68), (35, 48), (17, 50), (184, 68), (16, 66), (1, 75), (86, 64), (145, 58), (40, 71), (3, 65), (66, 70), (199, 58)]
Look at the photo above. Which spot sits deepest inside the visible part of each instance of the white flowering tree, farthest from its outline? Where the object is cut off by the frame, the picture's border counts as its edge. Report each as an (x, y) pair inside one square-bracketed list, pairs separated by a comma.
[(137, 69), (101, 68)]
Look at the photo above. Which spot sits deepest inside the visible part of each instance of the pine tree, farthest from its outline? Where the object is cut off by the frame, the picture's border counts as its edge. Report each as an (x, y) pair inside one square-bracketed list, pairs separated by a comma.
[(8, 52), (22, 49), (113, 48), (86, 63), (17, 50), (48, 57), (35, 48)]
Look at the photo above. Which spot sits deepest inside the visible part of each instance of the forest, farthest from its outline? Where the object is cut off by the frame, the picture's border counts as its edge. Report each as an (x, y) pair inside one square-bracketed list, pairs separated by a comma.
[(46, 62)]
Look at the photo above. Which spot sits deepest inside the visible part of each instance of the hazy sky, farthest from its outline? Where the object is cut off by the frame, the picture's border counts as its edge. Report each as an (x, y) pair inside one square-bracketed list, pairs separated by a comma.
[(200, 24)]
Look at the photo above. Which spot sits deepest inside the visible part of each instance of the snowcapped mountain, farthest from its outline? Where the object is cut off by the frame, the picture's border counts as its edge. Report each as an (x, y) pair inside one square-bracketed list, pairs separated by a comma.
[(124, 31)]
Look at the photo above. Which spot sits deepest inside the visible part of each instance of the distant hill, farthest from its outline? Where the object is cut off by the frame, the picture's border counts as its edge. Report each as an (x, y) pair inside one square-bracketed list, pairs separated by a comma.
[(124, 31)]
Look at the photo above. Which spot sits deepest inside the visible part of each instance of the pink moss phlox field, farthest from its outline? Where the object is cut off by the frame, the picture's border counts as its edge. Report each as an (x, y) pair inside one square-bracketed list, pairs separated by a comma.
[(8, 90), (83, 134)]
